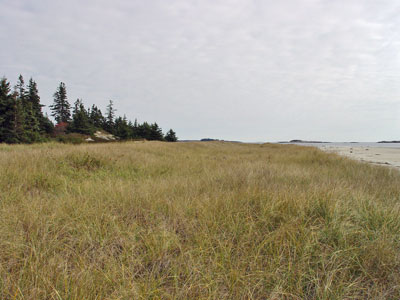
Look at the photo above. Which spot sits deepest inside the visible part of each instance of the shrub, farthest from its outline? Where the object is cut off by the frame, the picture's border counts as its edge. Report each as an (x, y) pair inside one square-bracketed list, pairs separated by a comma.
[(72, 138)]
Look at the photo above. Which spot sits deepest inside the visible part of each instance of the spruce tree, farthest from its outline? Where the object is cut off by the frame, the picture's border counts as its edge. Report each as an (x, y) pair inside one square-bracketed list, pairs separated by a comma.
[(20, 89), (80, 119), (7, 114), (61, 107), (96, 117), (29, 114), (110, 115), (156, 133), (33, 98), (47, 125), (22, 113), (135, 130), (31, 126), (171, 136), (144, 131), (22, 119), (23, 131), (122, 128)]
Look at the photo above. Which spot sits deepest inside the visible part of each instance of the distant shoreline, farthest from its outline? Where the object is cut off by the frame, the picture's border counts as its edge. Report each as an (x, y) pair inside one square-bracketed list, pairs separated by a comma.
[(322, 142), (304, 142)]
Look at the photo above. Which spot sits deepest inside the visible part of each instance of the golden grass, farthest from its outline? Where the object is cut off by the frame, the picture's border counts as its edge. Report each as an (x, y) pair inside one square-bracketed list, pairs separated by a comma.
[(152, 220)]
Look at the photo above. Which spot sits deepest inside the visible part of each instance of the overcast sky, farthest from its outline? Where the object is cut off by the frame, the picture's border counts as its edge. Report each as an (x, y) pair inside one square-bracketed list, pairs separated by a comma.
[(249, 70)]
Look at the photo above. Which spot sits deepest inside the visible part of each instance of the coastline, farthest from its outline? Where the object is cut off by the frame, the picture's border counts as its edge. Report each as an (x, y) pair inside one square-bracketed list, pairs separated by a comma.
[(375, 155)]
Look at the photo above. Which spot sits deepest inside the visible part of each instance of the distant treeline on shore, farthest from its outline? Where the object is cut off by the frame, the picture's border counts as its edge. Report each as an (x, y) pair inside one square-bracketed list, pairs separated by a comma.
[(22, 119), (389, 142)]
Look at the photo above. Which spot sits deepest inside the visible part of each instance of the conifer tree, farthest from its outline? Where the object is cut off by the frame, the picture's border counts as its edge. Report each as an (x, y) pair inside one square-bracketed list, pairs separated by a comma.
[(135, 129), (110, 115), (33, 98), (20, 89), (144, 131), (171, 136), (47, 125), (20, 128), (29, 114), (61, 107), (7, 113), (19, 122), (122, 129), (80, 119), (96, 117), (155, 133), (21, 112), (31, 125), (22, 119)]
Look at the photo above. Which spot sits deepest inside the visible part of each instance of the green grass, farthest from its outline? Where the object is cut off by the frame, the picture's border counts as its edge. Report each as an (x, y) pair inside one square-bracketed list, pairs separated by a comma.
[(152, 220)]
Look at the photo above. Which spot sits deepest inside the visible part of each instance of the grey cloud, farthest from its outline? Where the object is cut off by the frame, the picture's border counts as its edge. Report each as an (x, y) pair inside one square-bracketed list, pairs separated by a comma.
[(241, 69)]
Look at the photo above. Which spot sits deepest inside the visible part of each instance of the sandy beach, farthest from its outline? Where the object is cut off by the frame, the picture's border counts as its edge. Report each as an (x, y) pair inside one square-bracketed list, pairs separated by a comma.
[(375, 155)]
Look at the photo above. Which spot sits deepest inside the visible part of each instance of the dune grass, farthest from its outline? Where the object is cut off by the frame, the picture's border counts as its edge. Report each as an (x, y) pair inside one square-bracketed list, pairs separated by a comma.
[(152, 220)]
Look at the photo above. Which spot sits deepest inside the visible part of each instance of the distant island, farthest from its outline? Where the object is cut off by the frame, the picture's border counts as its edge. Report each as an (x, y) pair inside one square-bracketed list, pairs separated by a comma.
[(210, 140), (388, 142)]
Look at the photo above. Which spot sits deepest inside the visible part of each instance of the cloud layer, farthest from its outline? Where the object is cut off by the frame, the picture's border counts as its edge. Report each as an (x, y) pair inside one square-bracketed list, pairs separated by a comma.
[(246, 70)]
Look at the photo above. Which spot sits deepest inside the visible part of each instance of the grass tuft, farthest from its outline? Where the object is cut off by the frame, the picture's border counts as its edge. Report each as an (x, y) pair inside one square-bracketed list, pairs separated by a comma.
[(85, 161)]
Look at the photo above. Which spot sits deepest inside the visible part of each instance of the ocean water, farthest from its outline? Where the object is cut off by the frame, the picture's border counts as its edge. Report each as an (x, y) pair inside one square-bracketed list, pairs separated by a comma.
[(354, 145)]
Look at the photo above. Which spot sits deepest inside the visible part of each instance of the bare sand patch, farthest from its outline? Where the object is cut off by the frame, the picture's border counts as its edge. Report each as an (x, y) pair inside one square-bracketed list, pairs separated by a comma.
[(374, 155)]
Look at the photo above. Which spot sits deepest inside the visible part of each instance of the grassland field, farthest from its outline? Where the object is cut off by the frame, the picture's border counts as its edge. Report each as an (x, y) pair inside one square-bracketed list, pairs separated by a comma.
[(154, 220)]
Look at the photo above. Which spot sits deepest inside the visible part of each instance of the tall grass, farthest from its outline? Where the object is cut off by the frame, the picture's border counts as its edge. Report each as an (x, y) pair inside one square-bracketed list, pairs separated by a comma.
[(151, 220)]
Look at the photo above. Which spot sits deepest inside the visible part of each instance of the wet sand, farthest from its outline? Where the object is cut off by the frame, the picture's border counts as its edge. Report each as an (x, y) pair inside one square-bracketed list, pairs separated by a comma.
[(380, 156)]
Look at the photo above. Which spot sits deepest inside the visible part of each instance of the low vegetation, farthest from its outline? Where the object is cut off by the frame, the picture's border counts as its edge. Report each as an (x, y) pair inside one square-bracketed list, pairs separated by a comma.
[(153, 220)]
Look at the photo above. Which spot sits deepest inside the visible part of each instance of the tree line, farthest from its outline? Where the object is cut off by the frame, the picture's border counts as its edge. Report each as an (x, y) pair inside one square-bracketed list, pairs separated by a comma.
[(23, 121)]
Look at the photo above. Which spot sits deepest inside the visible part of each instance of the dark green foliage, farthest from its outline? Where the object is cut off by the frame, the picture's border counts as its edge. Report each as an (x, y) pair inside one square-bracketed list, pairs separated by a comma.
[(22, 113), (125, 130), (155, 133), (29, 116), (96, 117), (61, 107), (22, 119), (32, 96), (122, 128), (20, 90), (80, 120), (46, 125), (72, 138), (18, 123), (144, 131), (31, 124), (110, 114), (7, 113), (171, 136)]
